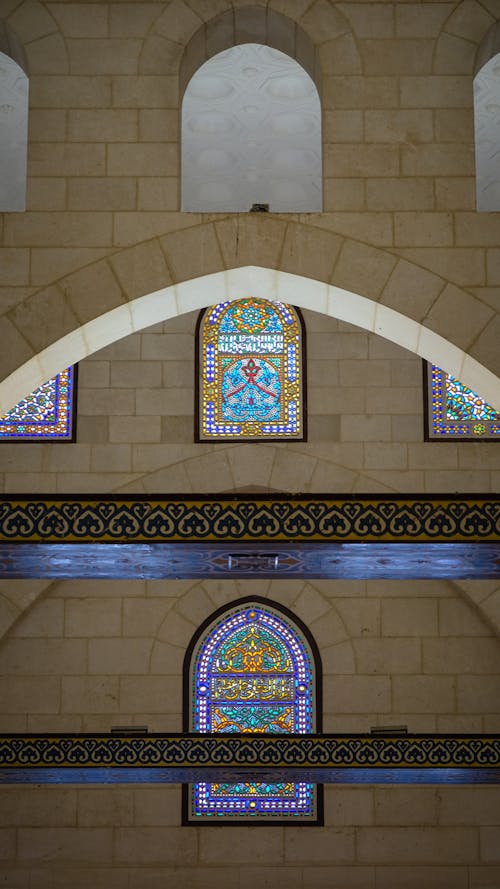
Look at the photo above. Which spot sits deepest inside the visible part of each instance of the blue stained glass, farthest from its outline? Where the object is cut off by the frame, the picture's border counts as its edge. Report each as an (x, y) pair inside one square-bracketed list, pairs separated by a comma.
[(45, 414), (251, 377), (252, 672), (455, 411)]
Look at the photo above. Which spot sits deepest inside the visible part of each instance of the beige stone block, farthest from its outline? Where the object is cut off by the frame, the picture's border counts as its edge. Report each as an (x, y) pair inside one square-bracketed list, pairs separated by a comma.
[(337, 660), (484, 348), (141, 269), (67, 458), (47, 125), (440, 480), (360, 92), (92, 617), (423, 229), (343, 194), (48, 193), (132, 19), (110, 56), (348, 806), (461, 656), (74, 92), (7, 844), (381, 57), (365, 427), (310, 252), (177, 429), (438, 160), (176, 629), (423, 694), (385, 456), (340, 56), (470, 20), (38, 807), (148, 457), (338, 345), (360, 615), (14, 265), (469, 805), (93, 374), (44, 317), (402, 617), (140, 160), (50, 263), (361, 160), (429, 455), (415, 876), (143, 617), (359, 694), (178, 22), (407, 806), (389, 656), (111, 459), (397, 400), (399, 194), (105, 401), (343, 126), (410, 371), (129, 228), (121, 656), (131, 429), (158, 193), (465, 316), (81, 19), (150, 845), (178, 374), (43, 657), (92, 291), (362, 269), (369, 19), (339, 877), (61, 229), (102, 125), (493, 267), (33, 694), (47, 55), (244, 240), (157, 806), (341, 400), (192, 252), (376, 228), (411, 290), (321, 846), (29, 482), (454, 125), (45, 620), (249, 460), (464, 266), (210, 472), (105, 807), (323, 428), (277, 877), (56, 159), (65, 845), (484, 877), (453, 55), (90, 694), (145, 91), (421, 19), (153, 694), (242, 845), (490, 851), (170, 347), (438, 91), (324, 373), (134, 374), (290, 472), (328, 628), (457, 618), (165, 402), (400, 845), (327, 476), (158, 125), (31, 20)]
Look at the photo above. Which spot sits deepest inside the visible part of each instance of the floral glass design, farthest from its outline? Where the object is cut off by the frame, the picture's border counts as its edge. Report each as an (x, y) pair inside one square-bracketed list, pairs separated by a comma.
[(45, 415), (252, 671), (455, 411), (251, 374)]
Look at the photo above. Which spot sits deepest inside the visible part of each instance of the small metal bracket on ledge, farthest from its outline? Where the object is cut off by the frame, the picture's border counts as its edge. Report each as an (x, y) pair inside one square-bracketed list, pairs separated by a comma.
[(259, 208)]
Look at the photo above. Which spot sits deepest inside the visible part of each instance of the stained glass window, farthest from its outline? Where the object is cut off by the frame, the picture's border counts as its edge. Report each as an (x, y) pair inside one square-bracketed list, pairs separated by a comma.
[(252, 671), (455, 411), (45, 414), (251, 373)]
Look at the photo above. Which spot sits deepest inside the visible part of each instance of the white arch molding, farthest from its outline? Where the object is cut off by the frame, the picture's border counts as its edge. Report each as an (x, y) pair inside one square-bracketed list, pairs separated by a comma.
[(198, 293)]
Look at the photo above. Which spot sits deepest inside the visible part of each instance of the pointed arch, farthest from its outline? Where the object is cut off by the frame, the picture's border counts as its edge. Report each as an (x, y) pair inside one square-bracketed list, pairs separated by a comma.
[(254, 667)]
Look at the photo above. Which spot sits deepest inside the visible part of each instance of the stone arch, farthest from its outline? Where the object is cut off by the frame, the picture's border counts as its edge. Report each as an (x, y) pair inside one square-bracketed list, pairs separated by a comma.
[(38, 37), (462, 34), (143, 285)]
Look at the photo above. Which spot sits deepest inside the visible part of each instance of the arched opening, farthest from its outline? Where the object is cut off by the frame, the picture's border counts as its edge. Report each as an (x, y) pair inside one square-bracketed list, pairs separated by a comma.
[(251, 134), (252, 667), (13, 134)]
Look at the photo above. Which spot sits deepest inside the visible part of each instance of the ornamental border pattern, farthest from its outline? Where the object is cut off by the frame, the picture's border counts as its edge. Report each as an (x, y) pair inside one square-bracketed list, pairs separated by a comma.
[(250, 751), (403, 519)]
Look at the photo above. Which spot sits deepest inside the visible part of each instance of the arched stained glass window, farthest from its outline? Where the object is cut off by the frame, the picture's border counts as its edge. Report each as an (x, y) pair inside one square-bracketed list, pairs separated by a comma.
[(250, 669), (251, 372), (455, 411), (47, 414)]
